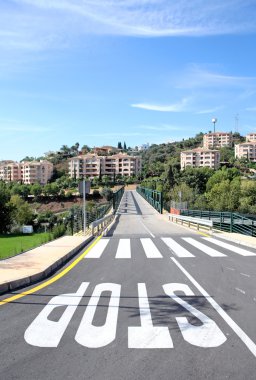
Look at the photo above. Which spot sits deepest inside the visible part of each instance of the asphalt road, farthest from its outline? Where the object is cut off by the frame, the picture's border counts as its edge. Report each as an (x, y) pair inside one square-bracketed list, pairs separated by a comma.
[(151, 300)]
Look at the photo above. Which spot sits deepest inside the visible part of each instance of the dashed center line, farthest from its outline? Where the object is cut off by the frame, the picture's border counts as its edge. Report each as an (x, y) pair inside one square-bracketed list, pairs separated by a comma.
[(230, 268)]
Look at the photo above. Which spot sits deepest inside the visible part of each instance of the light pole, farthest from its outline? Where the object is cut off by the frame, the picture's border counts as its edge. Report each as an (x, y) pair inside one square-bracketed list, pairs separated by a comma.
[(214, 121)]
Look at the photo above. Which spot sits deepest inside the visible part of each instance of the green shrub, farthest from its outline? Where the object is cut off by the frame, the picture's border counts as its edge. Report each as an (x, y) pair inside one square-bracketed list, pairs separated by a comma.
[(58, 231)]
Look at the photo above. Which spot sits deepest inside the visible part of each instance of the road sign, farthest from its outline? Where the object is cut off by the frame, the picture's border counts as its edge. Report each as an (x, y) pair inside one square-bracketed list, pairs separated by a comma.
[(87, 187)]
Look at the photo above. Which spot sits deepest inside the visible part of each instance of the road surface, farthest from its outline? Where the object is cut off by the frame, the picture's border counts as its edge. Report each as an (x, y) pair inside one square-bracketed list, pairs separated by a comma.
[(151, 300)]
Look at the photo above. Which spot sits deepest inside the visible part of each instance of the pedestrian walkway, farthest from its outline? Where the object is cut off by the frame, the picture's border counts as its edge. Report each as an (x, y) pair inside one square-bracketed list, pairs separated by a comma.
[(38, 263)]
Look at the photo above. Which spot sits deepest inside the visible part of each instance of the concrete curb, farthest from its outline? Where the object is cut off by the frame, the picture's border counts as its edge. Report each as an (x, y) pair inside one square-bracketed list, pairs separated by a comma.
[(240, 242), (37, 277)]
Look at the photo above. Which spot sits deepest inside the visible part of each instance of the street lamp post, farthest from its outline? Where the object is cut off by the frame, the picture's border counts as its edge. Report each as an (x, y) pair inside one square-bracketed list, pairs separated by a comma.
[(214, 121)]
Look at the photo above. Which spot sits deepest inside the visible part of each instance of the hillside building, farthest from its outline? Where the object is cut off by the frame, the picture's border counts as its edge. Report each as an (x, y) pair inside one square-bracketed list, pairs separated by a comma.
[(200, 157), (26, 172), (217, 140), (92, 165), (251, 137), (246, 150)]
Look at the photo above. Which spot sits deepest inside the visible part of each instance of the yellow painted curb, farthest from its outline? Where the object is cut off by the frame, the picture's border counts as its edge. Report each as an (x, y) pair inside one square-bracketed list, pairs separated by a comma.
[(53, 279)]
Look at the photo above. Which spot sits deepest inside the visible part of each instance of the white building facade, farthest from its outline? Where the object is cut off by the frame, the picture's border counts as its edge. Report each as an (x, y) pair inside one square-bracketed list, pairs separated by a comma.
[(246, 150), (199, 157), (92, 165), (26, 172), (216, 140)]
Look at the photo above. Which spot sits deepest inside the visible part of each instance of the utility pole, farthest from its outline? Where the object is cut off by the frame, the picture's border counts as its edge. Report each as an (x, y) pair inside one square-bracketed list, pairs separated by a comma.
[(84, 207)]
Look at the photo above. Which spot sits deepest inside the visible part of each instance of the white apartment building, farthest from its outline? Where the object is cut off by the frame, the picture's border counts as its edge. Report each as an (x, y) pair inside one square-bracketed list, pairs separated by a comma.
[(217, 140), (91, 165), (9, 171), (200, 157), (26, 172), (36, 171), (246, 150), (251, 137)]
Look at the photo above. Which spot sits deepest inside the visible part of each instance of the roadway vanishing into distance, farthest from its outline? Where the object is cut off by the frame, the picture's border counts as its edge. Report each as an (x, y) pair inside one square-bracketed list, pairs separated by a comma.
[(151, 300)]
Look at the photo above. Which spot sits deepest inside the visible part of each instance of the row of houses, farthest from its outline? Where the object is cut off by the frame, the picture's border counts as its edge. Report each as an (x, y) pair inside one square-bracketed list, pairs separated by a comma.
[(92, 165), (209, 155), (88, 165), (27, 172)]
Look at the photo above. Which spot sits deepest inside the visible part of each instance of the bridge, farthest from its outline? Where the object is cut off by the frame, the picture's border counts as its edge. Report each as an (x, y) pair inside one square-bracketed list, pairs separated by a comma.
[(149, 299)]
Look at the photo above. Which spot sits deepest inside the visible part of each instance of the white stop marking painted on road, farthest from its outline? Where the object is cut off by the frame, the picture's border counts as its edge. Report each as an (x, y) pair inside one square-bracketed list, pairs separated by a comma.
[(44, 332)]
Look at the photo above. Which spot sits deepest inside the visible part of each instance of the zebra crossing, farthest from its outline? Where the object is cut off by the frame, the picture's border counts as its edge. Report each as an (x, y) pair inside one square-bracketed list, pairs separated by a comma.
[(151, 251)]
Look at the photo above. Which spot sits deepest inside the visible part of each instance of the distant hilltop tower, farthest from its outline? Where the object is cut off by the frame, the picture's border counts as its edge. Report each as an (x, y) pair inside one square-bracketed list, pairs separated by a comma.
[(214, 121)]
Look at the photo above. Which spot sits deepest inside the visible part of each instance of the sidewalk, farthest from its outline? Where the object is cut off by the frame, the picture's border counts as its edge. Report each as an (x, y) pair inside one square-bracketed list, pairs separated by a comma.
[(38, 263)]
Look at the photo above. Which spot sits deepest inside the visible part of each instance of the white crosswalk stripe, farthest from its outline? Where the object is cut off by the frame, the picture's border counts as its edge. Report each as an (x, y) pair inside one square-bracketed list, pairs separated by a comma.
[(176, 248), (124, 249), (98, 249), (203, 247), (152, 252), (230, 247), (150, 249)]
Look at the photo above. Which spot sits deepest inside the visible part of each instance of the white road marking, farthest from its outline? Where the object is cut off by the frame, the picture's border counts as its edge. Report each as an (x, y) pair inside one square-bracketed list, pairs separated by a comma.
[(146, 228), (46, 333), (124, 249), (245, 275), (203, 247), (240, 333), (97, 250), (206, 335), (150, 249), (146, 335), (176, 248), (92, 336), (240, 290), (240, 251), (230, 268)]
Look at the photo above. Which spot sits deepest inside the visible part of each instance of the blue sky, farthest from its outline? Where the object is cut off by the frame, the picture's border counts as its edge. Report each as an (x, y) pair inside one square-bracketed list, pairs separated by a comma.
[(102, 71)]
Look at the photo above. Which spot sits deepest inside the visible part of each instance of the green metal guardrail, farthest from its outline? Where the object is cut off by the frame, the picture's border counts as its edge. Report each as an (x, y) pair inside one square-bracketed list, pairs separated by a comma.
[(226, 221), (117, 196), (153, 197)]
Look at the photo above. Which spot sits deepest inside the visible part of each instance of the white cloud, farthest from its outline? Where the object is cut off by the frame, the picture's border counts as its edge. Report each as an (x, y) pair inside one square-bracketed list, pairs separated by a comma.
[(176, 107), (210, 110), (196, 77), (253, 109), (43, 24)]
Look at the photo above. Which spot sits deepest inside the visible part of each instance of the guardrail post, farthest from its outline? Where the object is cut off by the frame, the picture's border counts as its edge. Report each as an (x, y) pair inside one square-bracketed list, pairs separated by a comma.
[(231, 222)]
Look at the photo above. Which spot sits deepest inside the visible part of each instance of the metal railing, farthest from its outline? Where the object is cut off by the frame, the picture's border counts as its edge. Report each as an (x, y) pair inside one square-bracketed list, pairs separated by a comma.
[(75, 220), (191, 221), (226, 221), (117, 196), (153, 197), (101, 224)]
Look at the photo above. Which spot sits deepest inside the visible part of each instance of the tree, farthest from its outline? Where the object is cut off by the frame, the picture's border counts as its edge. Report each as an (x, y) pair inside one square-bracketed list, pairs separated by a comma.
[(226, 154), (125, 146), (36, 189), (224, 196), (6, 209), (119, 145), (222, 175), (196, 178), (22, 211)]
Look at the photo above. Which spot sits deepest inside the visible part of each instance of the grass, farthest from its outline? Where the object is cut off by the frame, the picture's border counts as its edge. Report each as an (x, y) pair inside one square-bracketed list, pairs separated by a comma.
[(11, 245)]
